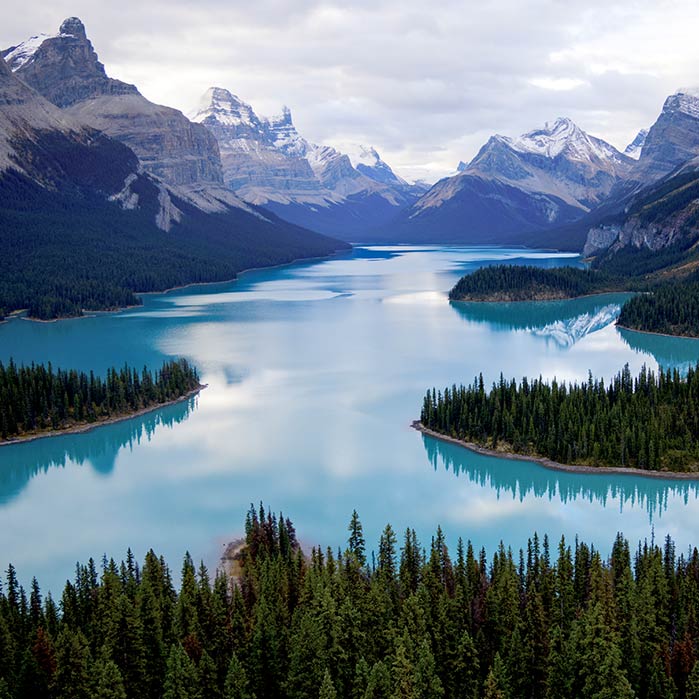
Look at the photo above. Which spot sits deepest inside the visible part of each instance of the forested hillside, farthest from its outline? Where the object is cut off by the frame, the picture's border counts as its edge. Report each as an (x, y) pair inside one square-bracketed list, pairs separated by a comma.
[(672, 309), (62, 252), (402, 622), (648, 422)]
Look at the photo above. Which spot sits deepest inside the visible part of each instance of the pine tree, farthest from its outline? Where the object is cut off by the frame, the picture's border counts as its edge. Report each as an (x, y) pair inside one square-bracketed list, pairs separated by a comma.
[(497, 684), (327, 688), (693, 682), (379, 685), (109, 683), (237, 686), (356, 543), (181, 675), (72, 679), (207, 677)]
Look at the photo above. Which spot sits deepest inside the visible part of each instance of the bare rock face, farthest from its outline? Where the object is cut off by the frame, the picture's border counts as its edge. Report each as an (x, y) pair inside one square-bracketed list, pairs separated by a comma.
[(267, 160), (64, 67), (66, 70), (674, 138), (600, 238)]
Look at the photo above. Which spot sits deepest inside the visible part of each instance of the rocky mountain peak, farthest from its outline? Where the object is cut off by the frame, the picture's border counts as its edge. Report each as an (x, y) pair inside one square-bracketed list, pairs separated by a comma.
[(73, 26), (220, 107), (673, 139), (64, 67)]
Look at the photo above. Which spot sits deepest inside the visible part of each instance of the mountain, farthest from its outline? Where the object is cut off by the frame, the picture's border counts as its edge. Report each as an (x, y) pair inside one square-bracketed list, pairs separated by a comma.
[(516, 186), (83, 225), (652, 219), (673, 139), (267, 162), (659, 226), (633, 150), (66, 70)]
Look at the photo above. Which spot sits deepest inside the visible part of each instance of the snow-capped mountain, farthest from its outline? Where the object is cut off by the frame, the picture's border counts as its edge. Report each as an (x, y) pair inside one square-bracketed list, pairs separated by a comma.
[(267, 162), (66, 70), (673, 139), (633, 150), (544, 178)]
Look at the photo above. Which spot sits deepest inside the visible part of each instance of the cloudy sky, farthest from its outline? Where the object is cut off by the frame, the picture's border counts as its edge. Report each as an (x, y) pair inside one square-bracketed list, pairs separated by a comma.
[(426, 83)]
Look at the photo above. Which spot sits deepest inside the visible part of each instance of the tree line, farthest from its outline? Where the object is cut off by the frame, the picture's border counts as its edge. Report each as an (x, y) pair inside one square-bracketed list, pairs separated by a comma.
[(672, 309), (530, 283), (403, 622), (37, 397), (64, 251), (648, 422)]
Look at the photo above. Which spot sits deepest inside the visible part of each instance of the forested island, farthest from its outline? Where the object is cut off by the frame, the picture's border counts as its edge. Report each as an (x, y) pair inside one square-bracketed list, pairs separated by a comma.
[(648, 422), (667, 306), (37, 400), (529, 283), (403, 622)]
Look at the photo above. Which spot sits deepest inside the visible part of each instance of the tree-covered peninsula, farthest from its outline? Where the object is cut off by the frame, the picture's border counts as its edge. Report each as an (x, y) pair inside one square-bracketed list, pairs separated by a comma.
[(672, 309), (529, 283), (37, 399), (648, 422), (404, 622)]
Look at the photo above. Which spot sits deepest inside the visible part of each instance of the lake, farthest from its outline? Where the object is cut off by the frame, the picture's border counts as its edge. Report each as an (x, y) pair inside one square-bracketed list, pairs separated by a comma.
[(315, 372)]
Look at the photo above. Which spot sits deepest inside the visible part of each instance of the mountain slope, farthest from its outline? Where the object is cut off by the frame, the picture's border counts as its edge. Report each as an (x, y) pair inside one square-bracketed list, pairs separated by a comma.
[(516, 186), (82, 226), (65, 69), (267, 162)]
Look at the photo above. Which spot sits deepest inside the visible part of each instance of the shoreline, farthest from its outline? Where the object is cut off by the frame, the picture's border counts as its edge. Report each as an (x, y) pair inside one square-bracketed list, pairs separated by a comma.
[(87, 427), (555, 465), (94, 312), (652, 332), (547, 300)]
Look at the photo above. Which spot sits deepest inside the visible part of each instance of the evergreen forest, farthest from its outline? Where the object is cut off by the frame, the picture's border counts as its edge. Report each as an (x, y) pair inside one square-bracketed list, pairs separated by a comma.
[(407, 621), (650, 421), (61, 253), (38, 398), (529, 283), (672, 309)]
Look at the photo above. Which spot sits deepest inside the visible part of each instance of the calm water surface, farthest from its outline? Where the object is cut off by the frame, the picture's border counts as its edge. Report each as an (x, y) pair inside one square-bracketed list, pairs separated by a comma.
[(315, 372)]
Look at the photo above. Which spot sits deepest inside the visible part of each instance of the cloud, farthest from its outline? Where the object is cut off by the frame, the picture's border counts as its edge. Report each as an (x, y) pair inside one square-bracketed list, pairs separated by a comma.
[(424, 84)]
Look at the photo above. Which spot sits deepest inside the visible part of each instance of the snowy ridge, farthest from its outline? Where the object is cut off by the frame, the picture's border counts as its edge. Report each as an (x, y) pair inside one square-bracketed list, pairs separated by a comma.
[(633, 150), (265, 159), (685, 100), (561, 136), (25, 52), (227, 108)]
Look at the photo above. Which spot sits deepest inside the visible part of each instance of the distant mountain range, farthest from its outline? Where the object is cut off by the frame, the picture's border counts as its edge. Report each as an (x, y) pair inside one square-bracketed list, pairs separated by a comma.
[(267, 162), (103, 193), (233, 189)]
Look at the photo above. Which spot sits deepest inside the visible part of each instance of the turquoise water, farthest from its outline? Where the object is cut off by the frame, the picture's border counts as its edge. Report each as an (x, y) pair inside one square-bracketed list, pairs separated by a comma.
[(315, 372)]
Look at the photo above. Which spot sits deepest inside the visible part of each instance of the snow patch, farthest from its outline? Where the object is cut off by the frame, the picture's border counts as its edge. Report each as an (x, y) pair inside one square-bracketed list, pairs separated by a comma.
[(25, 52)]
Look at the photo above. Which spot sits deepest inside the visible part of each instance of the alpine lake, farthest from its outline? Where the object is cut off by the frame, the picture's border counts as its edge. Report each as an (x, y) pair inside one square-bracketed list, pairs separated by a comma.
[(315, 372)]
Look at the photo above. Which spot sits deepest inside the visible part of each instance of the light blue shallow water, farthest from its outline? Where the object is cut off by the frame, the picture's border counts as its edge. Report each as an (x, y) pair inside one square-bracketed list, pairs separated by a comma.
[(315, 372)]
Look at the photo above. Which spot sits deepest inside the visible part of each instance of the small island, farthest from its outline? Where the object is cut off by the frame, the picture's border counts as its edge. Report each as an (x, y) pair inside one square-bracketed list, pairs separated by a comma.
[(506, 283), (649, 422), (38, 401), (666, 306)]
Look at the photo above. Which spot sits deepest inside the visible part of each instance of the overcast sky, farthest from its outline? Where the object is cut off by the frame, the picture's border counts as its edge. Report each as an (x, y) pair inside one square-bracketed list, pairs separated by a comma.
[(425, 83)]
